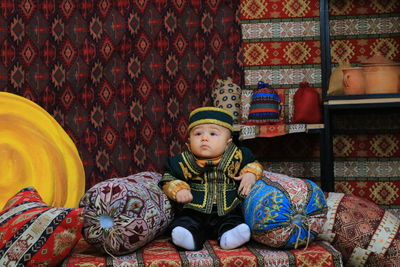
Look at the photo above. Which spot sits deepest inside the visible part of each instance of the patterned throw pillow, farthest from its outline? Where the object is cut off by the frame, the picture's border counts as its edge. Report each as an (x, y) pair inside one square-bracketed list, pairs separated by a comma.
[(226, 95), (285, 212), (364, 233), (124, 214), (265, 107), (35, 234)]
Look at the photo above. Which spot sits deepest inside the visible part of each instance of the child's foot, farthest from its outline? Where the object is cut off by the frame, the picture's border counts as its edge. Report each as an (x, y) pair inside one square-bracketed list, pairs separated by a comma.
[(235, 237), (183, 238)]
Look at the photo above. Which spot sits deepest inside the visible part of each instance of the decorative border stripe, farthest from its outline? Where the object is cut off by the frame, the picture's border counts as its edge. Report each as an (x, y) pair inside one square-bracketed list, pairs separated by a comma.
[(280, 77), (367, 26), (298, 29), (358, 257), (384, 234), (30, 237), (363, 168), (19, 209), (332, 201)]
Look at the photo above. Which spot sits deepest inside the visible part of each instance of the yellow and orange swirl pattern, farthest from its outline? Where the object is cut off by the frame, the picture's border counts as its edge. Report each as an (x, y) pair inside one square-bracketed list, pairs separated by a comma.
[(36, 151)]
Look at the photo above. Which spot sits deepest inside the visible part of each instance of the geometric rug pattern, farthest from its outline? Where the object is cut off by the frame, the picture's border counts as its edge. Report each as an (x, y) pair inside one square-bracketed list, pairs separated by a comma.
[(367, 152), (281, 46)]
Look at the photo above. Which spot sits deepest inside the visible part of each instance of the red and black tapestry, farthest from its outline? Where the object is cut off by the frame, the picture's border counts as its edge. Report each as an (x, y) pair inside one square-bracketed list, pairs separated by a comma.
[(120, 76)]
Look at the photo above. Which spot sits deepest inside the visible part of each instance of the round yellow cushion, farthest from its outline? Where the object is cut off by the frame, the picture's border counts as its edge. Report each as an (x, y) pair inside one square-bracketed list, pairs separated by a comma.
[(36, 151)]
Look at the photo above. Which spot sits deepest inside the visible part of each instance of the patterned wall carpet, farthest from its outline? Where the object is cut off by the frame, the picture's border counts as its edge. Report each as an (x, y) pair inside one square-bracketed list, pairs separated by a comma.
[(281, 46), (367, 148), (120, 76)]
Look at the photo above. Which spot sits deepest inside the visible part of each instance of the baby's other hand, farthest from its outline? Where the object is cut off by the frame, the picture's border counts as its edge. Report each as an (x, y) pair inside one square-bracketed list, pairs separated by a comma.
[(184, 196), (247, 179)]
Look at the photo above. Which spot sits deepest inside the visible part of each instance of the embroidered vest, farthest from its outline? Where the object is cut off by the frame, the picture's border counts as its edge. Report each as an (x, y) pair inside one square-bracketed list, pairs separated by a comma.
[(211, 183)]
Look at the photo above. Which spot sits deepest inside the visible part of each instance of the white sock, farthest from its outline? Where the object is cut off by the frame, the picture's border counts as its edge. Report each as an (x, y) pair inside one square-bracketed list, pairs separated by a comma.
[(235, 237), (183, 238)]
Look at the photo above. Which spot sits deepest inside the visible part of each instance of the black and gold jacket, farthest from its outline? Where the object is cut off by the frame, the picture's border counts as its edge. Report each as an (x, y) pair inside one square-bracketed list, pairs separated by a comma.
[(212, 182)]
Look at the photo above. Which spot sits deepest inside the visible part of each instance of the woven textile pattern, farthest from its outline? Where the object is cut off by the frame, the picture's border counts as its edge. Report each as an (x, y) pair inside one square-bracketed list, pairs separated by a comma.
[(35, 234), (280, 47), (161, 252), (364, 233), (367, 165), (120, 76), (134, 207)]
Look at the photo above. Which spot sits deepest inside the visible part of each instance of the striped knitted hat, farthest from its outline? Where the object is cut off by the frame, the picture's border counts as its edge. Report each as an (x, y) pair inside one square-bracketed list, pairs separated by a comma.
[(265, 105), (211, 115)]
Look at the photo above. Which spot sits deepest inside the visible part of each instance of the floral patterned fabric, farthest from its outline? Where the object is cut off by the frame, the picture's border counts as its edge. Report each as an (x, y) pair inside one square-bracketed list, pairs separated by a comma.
[(364, 233), (124, 214), (35, 234), (285, 212)]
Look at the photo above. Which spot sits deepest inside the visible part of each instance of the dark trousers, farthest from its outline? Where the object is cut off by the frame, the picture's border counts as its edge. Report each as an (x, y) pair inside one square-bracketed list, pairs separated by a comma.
[(203, 226)]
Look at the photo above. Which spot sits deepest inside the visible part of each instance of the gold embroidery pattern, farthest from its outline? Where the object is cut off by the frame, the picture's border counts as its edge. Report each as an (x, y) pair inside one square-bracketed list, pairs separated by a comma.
[(384, 145), (389, 45), (296, 8), (185, 171), (297, 53), (385, 7), (384, 193), (253, 9), (342, 50)]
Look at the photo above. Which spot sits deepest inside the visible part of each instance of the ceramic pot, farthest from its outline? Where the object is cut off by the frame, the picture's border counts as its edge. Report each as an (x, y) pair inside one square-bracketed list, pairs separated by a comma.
[(382, 75), (381, 79), (353, 81)]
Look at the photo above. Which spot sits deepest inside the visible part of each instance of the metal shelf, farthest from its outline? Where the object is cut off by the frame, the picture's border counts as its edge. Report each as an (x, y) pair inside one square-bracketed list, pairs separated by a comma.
[(347, 102), (363, 101)]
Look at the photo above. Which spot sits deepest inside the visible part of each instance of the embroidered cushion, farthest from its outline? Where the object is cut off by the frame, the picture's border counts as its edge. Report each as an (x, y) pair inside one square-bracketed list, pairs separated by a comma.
[(285, 212), (226, 95), (124, 214), (35, 234), (265, 105), (364, 233)]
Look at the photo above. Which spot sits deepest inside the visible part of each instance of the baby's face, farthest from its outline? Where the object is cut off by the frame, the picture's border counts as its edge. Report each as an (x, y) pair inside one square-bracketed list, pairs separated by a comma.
[(209, 140)]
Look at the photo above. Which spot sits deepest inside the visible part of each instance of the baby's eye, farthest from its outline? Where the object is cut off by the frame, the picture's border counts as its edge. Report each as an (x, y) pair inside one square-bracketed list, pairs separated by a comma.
[(213, 134), (197, 134)]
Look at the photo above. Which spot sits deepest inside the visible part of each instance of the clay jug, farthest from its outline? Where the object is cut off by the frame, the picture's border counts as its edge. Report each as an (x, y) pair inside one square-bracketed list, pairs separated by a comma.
[(353, 81), (381, 75)]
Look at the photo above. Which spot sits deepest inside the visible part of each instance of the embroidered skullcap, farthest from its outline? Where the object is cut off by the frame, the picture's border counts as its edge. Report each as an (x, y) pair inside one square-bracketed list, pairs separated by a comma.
[(211, 115)]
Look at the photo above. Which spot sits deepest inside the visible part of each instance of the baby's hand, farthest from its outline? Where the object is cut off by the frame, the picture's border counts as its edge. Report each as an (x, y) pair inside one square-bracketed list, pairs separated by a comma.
[(184, 196), (247, 179)]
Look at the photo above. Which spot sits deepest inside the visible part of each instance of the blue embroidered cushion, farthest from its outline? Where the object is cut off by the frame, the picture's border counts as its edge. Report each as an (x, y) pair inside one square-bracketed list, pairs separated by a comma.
[(285, 212)]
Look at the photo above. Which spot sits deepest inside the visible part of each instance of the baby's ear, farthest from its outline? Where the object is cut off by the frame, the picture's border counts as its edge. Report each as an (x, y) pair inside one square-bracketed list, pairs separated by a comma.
[(187, 145)]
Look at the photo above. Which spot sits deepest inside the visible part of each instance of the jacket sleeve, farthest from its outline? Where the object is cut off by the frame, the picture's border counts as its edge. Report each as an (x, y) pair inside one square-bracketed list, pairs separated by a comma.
[(172, 181), (250, 164)]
